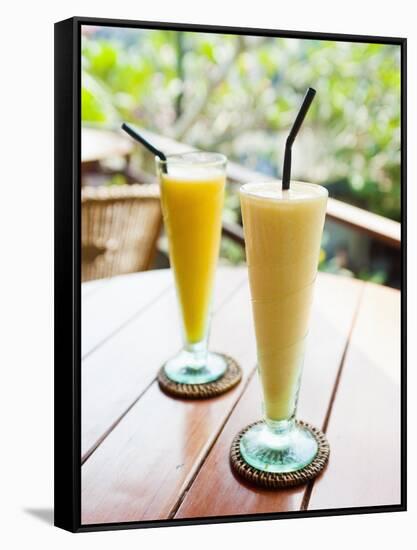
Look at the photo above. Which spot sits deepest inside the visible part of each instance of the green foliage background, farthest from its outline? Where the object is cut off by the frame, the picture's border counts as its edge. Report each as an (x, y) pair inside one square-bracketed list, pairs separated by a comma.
[(238, 95)]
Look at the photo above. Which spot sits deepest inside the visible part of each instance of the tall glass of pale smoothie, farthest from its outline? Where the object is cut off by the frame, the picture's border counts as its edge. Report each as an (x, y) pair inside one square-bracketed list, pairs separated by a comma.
[(192, 194), (283, 230)]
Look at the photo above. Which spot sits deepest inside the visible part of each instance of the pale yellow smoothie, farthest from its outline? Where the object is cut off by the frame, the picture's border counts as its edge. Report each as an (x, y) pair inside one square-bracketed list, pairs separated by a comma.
[(283, 231), (192, 203)]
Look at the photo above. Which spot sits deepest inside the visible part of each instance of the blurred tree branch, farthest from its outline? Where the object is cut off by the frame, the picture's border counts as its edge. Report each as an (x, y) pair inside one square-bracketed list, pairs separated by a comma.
[(215, 78)]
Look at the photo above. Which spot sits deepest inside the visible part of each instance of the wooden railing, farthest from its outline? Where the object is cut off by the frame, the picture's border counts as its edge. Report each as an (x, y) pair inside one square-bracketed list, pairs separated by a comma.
[(379, 228)]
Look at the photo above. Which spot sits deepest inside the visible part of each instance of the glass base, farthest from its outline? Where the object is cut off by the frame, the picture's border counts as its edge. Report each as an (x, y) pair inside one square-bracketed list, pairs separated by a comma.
[(286, 449), (186, 369)]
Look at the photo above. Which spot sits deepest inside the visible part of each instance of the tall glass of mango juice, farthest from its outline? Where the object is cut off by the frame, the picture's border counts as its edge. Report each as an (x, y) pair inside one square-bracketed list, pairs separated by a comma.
[(192, 195), (283, 230)]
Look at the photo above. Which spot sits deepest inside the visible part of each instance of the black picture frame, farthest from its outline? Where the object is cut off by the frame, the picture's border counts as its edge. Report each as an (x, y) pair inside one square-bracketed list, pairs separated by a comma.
[(67, 386)]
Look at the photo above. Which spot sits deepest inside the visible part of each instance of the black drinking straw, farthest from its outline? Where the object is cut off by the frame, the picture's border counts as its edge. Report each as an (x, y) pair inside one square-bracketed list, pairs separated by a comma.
[(134, 134), (286, 173)]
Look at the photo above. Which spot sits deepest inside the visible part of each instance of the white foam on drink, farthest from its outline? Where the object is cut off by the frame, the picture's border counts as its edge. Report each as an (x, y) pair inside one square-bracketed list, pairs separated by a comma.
[(195, 165), (272, 190), (193, 172)]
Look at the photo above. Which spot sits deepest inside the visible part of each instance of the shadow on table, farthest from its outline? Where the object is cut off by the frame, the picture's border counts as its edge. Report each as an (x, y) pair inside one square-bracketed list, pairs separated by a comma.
[(43, 514)]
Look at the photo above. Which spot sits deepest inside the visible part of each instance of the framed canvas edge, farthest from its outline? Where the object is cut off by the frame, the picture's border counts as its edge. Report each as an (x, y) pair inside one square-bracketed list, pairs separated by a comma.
[(67, 269), (67, 282)]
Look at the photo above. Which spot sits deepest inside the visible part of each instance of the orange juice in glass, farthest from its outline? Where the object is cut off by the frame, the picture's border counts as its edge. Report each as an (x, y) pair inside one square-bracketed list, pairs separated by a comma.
[(192, 194)]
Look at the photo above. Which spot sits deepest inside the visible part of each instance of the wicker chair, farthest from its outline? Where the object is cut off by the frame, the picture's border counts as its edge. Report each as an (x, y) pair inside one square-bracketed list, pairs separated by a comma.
[(120, 226)]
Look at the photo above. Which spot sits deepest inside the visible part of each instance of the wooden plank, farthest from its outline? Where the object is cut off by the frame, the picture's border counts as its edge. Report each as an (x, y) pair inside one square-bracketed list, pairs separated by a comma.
[(378, 227), (383, 229), (364, 427), (234, 231), (216, 491), (88, 288), (118, 300), (123, 367), (141, 469)]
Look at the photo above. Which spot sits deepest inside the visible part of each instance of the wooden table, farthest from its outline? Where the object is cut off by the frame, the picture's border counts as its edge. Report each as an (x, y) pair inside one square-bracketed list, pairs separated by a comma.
[(147, 456)]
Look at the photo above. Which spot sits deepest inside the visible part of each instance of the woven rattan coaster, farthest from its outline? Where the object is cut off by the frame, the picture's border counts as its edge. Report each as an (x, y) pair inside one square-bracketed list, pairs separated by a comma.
[(229, 380), (272, 480)]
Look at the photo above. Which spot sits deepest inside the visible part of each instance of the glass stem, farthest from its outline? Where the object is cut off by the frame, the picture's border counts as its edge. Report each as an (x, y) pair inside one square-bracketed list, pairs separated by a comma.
[(197, 354), (280, 427), (278, 433)]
